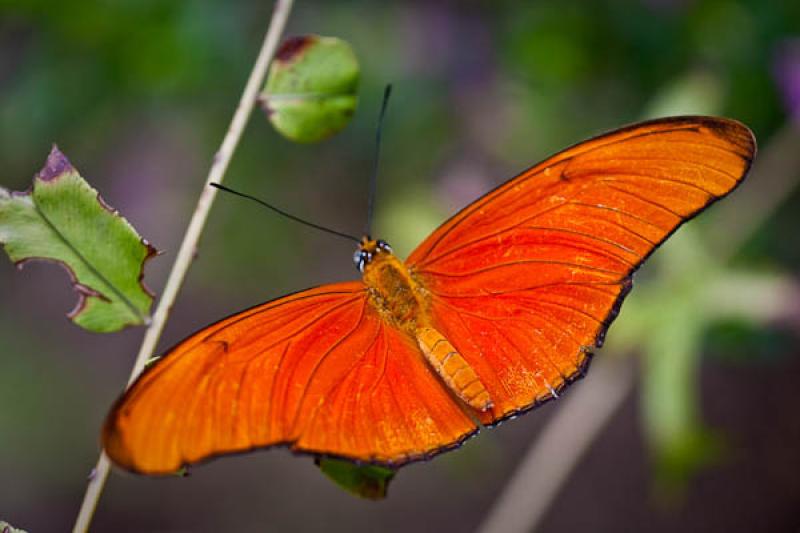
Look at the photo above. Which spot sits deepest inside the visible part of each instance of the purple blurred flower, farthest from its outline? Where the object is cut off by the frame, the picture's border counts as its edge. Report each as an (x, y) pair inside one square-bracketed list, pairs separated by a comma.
[(447, 39), (786, 69)]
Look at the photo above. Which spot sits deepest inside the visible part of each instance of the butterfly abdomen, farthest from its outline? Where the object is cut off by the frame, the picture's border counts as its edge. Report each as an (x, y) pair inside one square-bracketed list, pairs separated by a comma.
[(453, 368)]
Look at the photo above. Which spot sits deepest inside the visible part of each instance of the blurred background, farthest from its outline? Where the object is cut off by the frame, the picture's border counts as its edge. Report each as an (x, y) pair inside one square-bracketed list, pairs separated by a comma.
[(138, 94)]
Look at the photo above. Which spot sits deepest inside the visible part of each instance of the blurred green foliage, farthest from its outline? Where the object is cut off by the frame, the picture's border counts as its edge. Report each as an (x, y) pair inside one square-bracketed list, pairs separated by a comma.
[(140, 93)]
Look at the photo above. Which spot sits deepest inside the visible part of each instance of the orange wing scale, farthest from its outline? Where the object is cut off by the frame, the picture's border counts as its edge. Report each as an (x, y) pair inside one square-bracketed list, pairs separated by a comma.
[(526, 280), (523, 283), (318, 371)]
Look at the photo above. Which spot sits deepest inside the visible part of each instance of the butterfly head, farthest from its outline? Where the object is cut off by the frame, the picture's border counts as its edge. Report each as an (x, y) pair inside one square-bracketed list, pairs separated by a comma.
[(368, 249)]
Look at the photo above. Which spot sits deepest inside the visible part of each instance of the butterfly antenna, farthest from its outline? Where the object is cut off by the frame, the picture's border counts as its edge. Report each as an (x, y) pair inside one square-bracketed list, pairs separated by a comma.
[(373, 184), (284, 213)]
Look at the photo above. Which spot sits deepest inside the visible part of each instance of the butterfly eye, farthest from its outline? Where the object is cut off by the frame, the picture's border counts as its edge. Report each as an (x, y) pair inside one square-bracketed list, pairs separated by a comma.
[(383, 245), (359, 260)]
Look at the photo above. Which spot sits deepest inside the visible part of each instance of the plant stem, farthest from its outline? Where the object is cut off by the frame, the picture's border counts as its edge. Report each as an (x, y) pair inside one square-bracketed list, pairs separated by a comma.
[(552, 457), (186, 252)]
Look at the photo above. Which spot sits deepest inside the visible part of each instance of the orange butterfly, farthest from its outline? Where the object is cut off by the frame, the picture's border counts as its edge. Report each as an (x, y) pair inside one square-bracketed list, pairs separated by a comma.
[(493, 314)]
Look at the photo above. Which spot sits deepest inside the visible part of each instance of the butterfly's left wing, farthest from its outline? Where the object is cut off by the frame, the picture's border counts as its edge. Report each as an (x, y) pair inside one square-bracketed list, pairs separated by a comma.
[(319, 371), (525, 281)]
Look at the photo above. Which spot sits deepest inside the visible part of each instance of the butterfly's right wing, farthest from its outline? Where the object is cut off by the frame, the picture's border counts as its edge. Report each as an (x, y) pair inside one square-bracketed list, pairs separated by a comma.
[(526, 280), (318, 370)]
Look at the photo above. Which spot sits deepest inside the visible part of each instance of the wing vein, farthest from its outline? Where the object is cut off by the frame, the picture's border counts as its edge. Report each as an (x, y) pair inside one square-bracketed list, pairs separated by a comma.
[(641, 198), (590, 237), (322, 359), (687, 184), (523, 262), (594, 285), (687, 162)]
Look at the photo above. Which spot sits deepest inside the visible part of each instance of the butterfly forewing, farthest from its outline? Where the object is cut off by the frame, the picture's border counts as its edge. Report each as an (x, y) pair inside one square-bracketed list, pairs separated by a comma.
[(526, 280)]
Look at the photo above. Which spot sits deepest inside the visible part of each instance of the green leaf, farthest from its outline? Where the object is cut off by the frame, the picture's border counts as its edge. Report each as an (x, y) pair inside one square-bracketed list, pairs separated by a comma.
[(63, 219), (664, 320), (687, 290), (366, 481), (670, 404), (310, 93)]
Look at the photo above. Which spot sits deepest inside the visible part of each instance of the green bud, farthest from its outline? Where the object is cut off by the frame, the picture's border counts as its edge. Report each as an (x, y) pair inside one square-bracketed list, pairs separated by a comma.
[(311, 91)]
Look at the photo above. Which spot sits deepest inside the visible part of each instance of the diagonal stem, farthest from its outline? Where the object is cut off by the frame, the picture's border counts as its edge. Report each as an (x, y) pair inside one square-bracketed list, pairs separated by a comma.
[(551, 459), (183, 260)]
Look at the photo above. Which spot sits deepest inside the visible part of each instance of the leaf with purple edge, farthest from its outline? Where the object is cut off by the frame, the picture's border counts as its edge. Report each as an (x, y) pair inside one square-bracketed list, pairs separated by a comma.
[(64, 220)]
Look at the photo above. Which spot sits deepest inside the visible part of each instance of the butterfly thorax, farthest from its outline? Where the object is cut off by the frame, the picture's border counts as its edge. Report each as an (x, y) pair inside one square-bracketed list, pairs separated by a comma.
[(393, 292), (402, 302)]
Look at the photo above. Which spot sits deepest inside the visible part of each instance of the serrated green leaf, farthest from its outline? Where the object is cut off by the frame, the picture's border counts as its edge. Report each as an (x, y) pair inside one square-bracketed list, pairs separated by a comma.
[(310, 93), (63, 219), (366, 481)]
